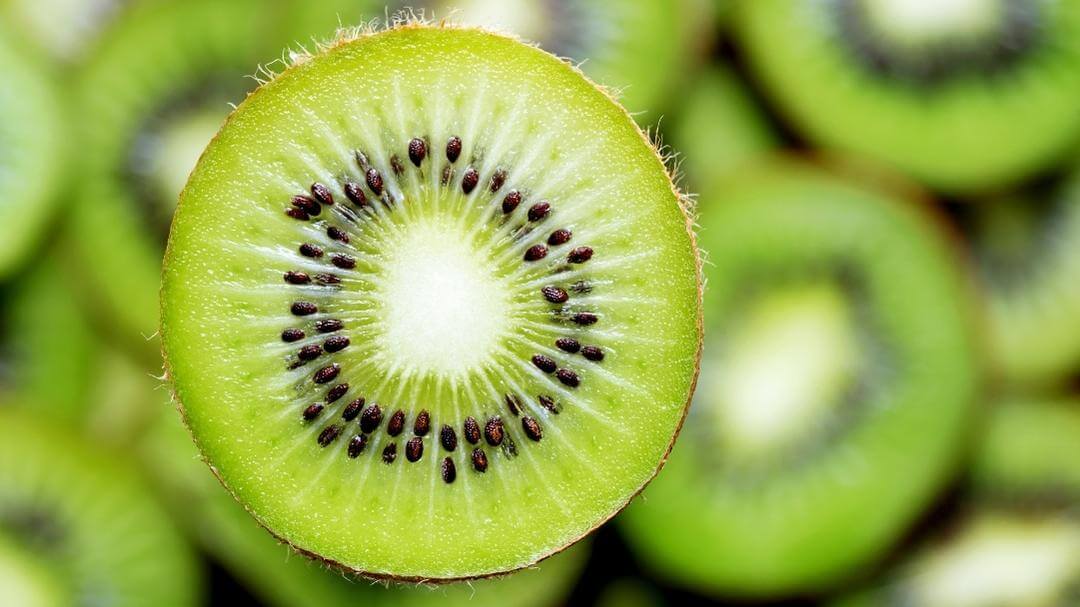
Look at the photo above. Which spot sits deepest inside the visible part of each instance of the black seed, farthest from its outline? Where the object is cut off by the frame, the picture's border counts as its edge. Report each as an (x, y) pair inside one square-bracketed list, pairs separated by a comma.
[(448, 438), (417, 151), (322, 193), (548, 403), (513, 403), (307, 205), (532, 428), (568, 344), (447, 173), (536, 252), (303, 308), (585, 318), (336, 392), (544, 363), (374, 181), (472, 430), (356, 445), (469, 180), (310, 352), (568, 377), (559, 237), (580, 255), (539, 210), (329, 434), (326, 374), (581, 287), (329, 325), (336, 343), (291, 335), (352, 409), (453, 149), (493, 431), (312, 411), (498, 178), (327, 279), (449, 472), (337, 234), (511, 201), (479, 460), (555, 294), (389, 454), (297, 214), (297, 278), (345, 262), (396, 423), (371, 418), (309, 250), (355, 193), (396, 166), (422, 424), (593, 353), (414, 449)]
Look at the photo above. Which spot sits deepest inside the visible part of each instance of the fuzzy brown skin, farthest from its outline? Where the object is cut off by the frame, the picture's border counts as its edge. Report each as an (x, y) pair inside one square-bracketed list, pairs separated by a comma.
[(349, 36)]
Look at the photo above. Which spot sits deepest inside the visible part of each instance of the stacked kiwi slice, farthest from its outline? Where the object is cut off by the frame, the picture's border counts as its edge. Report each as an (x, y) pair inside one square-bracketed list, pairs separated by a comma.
[(431, 304), (838, 382), (964, 95)]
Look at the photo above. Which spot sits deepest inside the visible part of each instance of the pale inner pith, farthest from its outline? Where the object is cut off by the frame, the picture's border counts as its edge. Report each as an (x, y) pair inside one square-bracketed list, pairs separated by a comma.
[(917, 19)]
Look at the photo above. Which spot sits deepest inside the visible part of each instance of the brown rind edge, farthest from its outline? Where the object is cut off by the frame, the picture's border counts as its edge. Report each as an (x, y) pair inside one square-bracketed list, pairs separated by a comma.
[(346, 36)]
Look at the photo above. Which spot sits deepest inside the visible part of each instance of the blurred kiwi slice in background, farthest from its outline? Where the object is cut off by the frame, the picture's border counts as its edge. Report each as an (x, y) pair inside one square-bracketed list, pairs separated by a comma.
[(150, 98), (86, 521), (836, 388), (32, 152), (64, 30), (965, 95), (1017, 544), (640, 49), (1027, 252)]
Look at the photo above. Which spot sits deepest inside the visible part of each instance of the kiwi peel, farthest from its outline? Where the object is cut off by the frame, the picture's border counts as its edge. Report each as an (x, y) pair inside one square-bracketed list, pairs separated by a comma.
[(479, 440)]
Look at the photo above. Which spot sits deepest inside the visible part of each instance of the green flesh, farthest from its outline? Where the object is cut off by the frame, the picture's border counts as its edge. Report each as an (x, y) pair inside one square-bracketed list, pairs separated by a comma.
[(31, 153), (1020, 547), (992, 123), (225, 304), (157, 88), (1028, 253), (838, 345), (90, 520)]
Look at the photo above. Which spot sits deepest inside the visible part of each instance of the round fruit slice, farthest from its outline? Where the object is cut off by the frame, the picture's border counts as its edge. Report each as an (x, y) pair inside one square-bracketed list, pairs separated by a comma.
[(31, 153), (1019, 545), (838, 379), (88, 520), (965, 95), (431, 305)]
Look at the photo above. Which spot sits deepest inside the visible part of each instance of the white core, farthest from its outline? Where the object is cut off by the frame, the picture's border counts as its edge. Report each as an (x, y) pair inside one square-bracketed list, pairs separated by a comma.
[(934, 17)]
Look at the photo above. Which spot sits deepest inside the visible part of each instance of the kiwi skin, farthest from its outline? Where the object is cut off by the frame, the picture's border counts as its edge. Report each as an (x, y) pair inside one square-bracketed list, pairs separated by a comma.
[(349, 36)]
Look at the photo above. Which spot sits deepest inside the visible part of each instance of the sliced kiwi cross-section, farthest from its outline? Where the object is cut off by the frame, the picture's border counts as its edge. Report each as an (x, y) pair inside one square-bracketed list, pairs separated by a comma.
[(837, 381), (431, 304), (965, 95)]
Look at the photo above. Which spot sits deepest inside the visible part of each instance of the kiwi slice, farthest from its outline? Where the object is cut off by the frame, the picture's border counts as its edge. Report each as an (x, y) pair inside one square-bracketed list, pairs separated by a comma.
[(62, 29), (88, 520), (1018, 543), (965, 95), (32, 155), (153, 93), (417, 279), (27, 582), (1027, 253), (837, 384)]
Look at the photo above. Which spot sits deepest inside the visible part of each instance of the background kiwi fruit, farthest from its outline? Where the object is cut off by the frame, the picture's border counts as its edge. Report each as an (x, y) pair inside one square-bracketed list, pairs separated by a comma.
[(429, 283), (838, 345), (62, 29)]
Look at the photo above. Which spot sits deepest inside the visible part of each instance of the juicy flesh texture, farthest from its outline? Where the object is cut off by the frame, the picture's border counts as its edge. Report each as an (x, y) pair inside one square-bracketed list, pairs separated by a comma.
[(442, 308)]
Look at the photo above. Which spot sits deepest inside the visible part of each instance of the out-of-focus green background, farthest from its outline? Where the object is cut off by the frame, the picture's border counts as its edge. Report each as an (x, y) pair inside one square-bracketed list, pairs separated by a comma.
[(929, 146)]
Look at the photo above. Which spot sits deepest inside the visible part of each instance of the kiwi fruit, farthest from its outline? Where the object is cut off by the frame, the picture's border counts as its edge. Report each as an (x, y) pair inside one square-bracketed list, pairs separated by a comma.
[(415, 278), (1027, 253), (153, 93), (838, 381), (86, 521), (26, 581), (964, 95), (64, 30), (32, 158), (1017, 542)]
